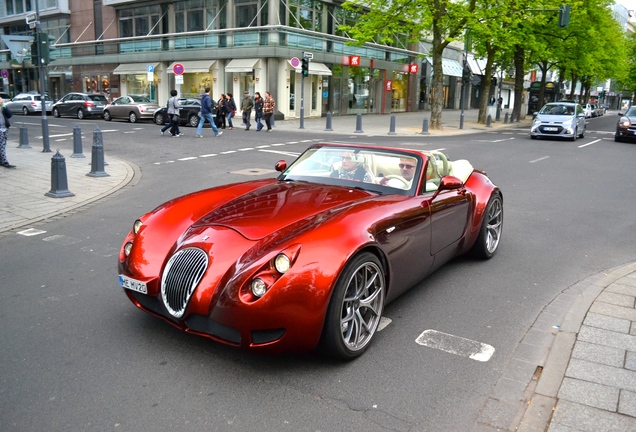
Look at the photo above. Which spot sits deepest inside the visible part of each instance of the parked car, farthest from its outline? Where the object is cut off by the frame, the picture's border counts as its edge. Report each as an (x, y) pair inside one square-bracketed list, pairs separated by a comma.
[(559, 120), (626, 126), (131, 107), (589, 110), (6, 96), (28, 103), (253, 264), (80, 105), (188, 114), (599, 110)]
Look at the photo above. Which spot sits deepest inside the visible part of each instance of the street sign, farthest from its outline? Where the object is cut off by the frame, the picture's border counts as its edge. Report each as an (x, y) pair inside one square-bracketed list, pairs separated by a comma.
[(178, 79), (308, 55), (178, 69), (150, 68), (5, 73), (294, 62)]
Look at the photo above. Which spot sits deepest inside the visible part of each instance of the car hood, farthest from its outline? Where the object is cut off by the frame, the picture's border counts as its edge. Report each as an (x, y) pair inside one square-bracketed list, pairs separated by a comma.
[(272, 207), (555, 118)]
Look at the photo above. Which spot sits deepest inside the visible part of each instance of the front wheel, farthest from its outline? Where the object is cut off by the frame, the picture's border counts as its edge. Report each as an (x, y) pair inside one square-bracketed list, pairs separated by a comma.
[(107, 116), (160, 119), (80, 114), (355, 308), (491, 227)]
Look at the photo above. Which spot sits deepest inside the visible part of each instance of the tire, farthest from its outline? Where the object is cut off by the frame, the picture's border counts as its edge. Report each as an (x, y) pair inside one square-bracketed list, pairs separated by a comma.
[(193, 120), (132, 117), (107, 116), (582, 134), (160, 119), (574, 135), (25, 111), (617, 138), (491, 227), (357, 298), (533, 137), (56, 113), (80, 114)]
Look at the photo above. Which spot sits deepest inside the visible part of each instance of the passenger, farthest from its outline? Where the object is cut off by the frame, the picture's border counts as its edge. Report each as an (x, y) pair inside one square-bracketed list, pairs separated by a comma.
[(352, 168)]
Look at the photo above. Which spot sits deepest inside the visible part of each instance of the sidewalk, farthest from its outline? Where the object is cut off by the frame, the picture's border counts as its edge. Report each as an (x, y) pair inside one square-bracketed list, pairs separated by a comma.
[(588, 380)]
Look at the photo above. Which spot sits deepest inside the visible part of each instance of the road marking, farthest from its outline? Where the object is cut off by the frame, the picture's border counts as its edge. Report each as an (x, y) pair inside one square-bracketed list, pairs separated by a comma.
[(294, 154), (590, 143), (208, 155), (187, 158), (246, 149), (456, 345), (384, 321), (31, 232), (540, 159), (129, 132)]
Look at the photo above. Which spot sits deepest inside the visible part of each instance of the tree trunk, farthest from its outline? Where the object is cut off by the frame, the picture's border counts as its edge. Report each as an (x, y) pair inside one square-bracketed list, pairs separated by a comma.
[(438, 81), (519, 72)]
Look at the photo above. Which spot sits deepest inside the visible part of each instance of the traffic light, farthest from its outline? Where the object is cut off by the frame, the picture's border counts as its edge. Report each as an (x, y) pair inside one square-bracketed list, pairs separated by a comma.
[(466, 75), (564, 16), (44, 50), (305, 66)]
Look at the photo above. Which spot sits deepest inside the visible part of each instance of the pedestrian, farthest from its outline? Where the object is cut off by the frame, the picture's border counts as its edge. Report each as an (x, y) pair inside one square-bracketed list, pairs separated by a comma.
[(220, 112), (268, 110), (247, 104), (206, 114), (5, 115), (173, 115), (258, 111), (230, 110)]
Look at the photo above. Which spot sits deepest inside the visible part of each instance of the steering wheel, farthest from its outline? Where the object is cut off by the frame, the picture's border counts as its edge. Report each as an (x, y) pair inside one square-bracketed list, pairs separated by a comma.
[(445, 167), (402, 179)]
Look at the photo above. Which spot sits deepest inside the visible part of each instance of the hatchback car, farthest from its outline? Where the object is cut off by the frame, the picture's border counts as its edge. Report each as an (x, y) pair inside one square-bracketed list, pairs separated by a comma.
[(626, 127), (131, 107), (80, 105), (559, 120), (28, 103), (188, 114)]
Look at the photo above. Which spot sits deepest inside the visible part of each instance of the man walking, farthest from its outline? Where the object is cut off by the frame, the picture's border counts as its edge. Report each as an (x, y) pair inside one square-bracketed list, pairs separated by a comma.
[(206, 114), (247, 104), (268, 110)]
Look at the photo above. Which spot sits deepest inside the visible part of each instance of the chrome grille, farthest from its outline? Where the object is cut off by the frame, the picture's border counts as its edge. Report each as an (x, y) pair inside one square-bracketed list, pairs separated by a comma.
[(180, 278)]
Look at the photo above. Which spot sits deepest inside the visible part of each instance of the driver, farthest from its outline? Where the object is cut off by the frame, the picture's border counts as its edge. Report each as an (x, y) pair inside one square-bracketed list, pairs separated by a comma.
[(407, 167), (352, 168)]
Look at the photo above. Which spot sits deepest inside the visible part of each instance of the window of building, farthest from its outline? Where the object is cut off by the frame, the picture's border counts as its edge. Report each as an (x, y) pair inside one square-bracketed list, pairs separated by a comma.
[(139, 21), (196, 15), (305, 14), (57, 29), (251, 13), (343, 17)]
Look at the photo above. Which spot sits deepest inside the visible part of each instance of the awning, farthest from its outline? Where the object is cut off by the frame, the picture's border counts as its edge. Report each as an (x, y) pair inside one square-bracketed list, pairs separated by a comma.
[(450, 67), (315, 68), (241, 65), (194, 66), (476, 66), (133, 68)]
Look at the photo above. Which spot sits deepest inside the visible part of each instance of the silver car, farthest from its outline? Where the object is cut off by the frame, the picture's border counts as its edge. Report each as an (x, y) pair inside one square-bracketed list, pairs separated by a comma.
[(131, 107), (28, 103), (559, 120)]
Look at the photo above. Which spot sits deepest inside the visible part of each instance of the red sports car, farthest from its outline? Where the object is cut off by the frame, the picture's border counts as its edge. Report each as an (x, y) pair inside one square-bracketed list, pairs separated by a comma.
[(309, 259)]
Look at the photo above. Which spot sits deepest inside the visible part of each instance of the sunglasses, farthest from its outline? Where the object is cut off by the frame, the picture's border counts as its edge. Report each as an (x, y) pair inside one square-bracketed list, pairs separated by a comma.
[(346, 158), (407, 166)]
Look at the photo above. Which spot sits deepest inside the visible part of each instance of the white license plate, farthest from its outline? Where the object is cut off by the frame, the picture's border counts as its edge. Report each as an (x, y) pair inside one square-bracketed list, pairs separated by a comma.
[(550, 129), (133, 284)]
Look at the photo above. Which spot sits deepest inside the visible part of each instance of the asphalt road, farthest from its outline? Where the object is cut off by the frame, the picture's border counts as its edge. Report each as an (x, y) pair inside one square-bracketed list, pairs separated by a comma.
[(78, 356)]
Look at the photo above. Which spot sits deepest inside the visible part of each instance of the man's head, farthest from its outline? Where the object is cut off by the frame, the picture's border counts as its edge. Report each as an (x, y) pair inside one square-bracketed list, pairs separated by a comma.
[(207, 89), (350, 161), (407, 167), (246, 93)]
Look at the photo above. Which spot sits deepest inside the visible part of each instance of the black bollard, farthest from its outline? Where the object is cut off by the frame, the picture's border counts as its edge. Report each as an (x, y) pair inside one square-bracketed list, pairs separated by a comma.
[(489, 121), (506, 119), (97, 156), (392, 126), (328, 127), (59, 183), (24, 137), (498, 114), (425, 126), (358, 124), (77, 143)]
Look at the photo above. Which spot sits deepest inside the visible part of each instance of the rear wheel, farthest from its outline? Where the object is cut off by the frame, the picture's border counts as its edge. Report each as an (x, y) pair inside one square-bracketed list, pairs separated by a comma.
[(355, 308), (491, 228), (56, 112), (132, 117), (25, 111)]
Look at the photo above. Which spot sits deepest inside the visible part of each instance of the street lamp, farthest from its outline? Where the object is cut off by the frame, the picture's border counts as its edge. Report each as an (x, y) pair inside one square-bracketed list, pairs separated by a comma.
[(41, 60)]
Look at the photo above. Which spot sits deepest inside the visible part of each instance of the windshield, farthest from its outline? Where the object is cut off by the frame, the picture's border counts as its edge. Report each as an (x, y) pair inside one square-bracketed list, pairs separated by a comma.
[(375, 170), (140, 98), (631, 112), (97, 98), (557, 109)]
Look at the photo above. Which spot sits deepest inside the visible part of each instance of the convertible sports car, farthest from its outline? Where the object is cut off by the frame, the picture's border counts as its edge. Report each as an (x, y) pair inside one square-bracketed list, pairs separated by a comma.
[(309, 259)]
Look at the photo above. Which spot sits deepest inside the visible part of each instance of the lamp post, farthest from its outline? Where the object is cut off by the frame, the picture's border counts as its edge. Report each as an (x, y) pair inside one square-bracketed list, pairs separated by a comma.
[(38, 43)]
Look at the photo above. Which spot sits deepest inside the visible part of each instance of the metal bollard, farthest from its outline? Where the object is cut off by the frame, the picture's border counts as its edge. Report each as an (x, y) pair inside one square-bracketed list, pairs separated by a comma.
[(498, 113), (425, 126), (358, 124), (97, 156), (489, 121), (77, 143), (24, 137), (506, 119), (392, 126), (59, 182), (328, 127)]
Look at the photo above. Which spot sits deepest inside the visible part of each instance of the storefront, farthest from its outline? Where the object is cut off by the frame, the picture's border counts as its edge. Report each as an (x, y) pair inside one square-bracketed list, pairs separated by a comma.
[(134, 79), (197, 75)]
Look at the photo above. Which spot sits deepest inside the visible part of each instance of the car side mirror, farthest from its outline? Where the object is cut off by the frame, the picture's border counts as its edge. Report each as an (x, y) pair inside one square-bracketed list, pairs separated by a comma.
[(280, 166), (449, 183)]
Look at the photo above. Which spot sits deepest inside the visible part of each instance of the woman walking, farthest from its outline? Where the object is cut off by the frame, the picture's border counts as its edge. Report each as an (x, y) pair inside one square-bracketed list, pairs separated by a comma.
[(231, 109), (5, 115), (220, 112), (258, 111), (268, 110)]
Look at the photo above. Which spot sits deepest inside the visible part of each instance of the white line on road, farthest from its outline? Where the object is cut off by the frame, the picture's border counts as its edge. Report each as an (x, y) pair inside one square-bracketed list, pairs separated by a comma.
[(590, 143), (540, 159), (31, 232), (384, 321), (294, 154), (187, 158), (456, 345)]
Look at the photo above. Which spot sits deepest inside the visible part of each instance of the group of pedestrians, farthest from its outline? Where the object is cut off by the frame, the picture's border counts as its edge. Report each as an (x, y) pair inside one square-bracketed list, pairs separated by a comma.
[(220, 113)]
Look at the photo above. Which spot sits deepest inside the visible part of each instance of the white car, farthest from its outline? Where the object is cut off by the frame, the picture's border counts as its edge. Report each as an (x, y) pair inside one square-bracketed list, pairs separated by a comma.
[(590, 110), (559, 120), (27, 103)]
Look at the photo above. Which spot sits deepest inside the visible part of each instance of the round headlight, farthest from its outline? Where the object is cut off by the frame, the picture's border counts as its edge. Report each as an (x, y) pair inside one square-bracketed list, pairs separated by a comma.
[(282, 263), (127, 248), (137, 226), (258, 287)]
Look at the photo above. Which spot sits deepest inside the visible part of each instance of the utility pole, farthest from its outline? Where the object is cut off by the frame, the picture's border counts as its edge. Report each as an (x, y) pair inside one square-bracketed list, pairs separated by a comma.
[(41, 73)]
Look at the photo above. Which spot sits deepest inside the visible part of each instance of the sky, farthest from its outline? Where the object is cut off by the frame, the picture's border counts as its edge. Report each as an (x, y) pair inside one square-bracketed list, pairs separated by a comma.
[(629, 4)]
